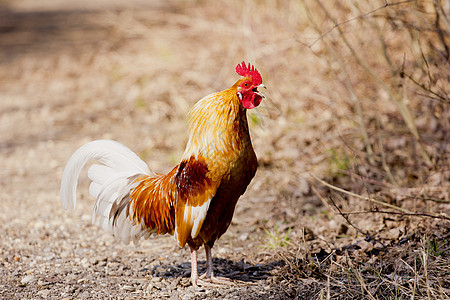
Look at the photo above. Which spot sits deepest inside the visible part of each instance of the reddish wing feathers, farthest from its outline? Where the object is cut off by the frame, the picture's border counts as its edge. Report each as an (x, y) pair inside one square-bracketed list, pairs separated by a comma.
[(154, 202), (191, 180), (249, 71), (174, 202), (195, 190)]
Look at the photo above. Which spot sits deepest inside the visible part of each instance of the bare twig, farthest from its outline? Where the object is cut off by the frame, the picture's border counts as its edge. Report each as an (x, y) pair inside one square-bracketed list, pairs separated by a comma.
[(441, 15), (348, 84), (401, 106), (439, 97), (403, 211), (359, 196), (336, 24), (383, 156), (423, 198), (441, 216), (324, 202), (345, 216)]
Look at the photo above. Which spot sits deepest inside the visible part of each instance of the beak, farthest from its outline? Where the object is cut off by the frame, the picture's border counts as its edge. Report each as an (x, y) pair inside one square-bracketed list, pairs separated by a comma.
[(258, 93)]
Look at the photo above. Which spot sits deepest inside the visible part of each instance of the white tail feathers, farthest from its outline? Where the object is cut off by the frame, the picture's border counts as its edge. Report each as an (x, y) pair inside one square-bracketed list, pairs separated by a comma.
[(114, 155), (111, 183)]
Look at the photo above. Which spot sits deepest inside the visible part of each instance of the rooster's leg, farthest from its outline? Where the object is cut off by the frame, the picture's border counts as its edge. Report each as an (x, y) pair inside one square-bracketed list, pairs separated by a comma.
[(209, 264), (209, 277), (194, 271), (196, 281)]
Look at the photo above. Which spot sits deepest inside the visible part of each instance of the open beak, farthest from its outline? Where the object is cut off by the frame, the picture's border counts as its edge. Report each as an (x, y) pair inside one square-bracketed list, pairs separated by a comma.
[(259, 93)]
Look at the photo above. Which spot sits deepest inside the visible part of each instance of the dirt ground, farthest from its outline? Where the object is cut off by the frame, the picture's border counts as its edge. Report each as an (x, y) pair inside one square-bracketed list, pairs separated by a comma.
[(129, 71)]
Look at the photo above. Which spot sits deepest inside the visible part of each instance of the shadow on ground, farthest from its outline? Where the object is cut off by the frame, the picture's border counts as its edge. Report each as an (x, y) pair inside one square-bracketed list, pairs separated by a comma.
[(241, 270), (54, 32)]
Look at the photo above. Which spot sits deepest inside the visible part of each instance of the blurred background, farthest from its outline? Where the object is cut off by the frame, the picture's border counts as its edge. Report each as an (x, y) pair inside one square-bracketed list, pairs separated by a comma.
[(352, 139)]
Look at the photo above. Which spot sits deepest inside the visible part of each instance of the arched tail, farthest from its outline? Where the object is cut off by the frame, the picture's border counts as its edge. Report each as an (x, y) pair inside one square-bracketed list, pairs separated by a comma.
[(111, 184)]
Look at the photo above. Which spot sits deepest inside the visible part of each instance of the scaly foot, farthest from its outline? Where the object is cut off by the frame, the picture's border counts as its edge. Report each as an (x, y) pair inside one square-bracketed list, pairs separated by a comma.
[(213, 281)]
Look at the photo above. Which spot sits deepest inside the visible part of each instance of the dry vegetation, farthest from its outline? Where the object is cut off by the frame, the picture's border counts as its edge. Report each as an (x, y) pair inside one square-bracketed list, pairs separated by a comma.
[(351, 199)]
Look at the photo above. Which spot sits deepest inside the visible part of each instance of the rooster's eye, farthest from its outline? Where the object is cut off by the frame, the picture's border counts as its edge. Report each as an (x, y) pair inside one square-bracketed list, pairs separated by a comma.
[(246, 84)]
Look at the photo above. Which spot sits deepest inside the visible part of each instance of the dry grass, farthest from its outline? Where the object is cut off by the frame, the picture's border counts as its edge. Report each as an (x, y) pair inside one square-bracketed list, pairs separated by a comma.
[(358, 97), (387, 70)]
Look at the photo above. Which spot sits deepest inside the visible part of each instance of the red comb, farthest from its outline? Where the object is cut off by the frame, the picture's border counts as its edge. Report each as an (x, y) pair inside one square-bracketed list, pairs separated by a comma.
[(249, 71)]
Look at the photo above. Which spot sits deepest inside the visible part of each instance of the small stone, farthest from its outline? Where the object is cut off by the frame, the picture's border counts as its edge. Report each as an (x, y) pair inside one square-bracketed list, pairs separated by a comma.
[(81, 280), (27, 279), (43, 293), (187, 297), (365, 246), (85, 295), (244, 236), (42, 282), (49, 257), (85, 263), (378, 245), (93, 261), (102, 263), (65, 253), (222, 250), (128, 288)]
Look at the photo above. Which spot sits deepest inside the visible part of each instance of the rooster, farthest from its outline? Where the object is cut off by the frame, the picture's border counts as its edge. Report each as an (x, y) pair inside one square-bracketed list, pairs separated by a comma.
[(195, 201)]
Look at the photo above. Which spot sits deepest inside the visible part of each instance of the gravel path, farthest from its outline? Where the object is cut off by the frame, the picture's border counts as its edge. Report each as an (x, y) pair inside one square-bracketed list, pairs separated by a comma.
[(52, 67)]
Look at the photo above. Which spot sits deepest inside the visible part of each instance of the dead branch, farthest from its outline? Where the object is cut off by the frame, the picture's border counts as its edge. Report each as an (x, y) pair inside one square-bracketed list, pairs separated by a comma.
[(441, 216), (402, 211), (345, 216), (359, 196)]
